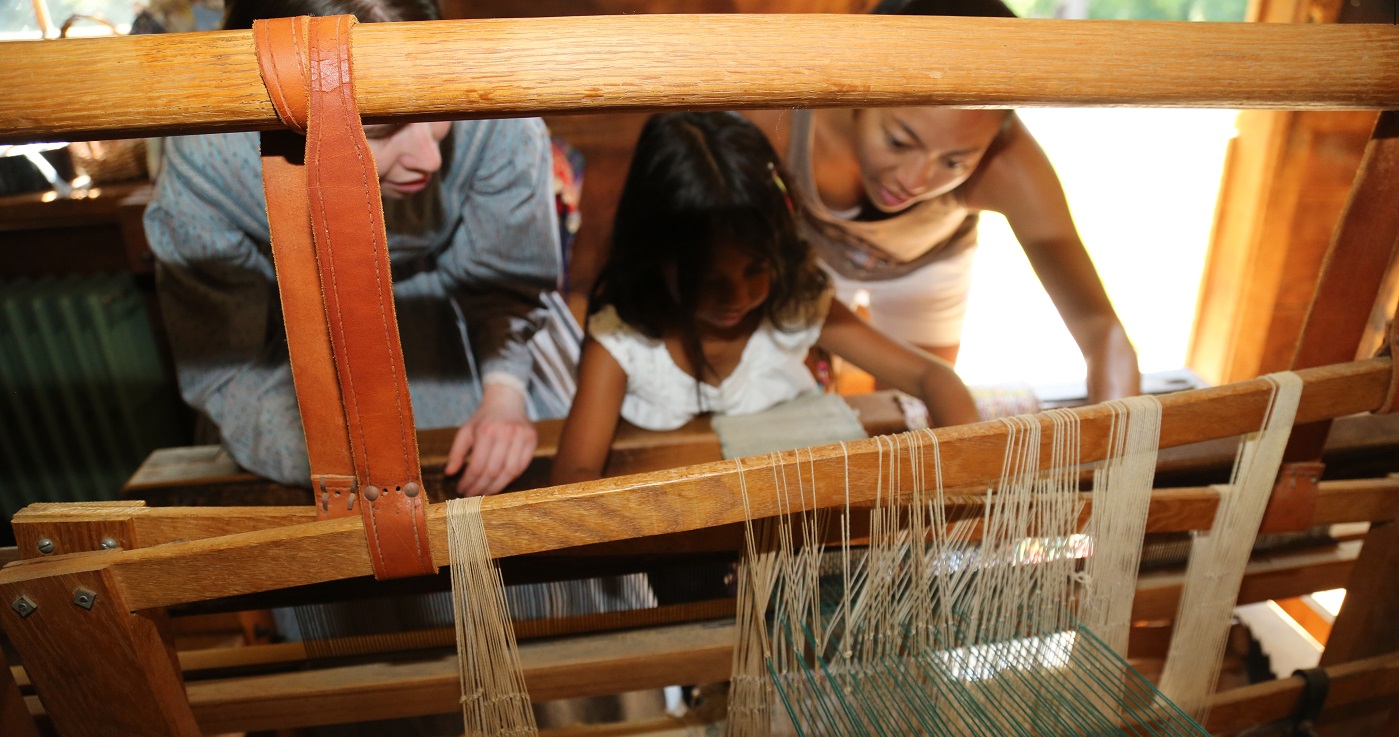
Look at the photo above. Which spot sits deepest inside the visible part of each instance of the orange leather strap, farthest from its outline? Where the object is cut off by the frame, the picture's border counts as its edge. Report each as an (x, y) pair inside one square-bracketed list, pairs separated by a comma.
[(282, 59), (353, 291)]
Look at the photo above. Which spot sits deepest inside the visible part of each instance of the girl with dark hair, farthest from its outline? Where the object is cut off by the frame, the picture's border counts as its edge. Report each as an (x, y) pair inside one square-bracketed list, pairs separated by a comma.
[(890, 199), (473, 240), (710, 299)]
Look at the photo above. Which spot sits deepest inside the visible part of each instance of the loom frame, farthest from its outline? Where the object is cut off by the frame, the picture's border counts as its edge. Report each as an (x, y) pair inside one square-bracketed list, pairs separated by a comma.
[(111, 669)]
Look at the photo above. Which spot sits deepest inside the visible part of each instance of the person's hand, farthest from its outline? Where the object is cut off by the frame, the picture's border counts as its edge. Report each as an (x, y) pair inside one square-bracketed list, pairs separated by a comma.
[(500, 440)]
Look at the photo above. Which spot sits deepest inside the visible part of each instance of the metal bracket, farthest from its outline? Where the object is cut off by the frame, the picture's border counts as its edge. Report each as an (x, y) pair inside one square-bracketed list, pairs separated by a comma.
[(84, 597), (24, 606), (1293, 505)]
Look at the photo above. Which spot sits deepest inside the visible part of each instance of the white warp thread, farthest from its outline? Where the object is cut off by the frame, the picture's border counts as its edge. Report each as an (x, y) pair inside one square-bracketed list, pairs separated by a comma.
[(493, 696), (1218, 556), (1122, 484)]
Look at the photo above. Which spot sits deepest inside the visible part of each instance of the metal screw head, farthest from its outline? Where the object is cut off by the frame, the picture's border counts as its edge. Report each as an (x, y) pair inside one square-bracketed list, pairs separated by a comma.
[(45, 546), (84, 597), (371, 493), (24, 606), (108, 543)]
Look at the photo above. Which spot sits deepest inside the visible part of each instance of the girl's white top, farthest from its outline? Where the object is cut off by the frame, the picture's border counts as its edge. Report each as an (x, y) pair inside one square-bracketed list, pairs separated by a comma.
[(661, 396)]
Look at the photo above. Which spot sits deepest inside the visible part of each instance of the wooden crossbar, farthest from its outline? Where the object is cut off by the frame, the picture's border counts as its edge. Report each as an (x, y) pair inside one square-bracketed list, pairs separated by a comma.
[(82, 526), (611, 663), (204, 82), (668, 501)]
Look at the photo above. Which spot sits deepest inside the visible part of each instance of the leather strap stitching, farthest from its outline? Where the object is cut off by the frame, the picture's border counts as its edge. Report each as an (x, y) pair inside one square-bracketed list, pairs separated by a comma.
[(350, 245), (279, 78), (351, 396)]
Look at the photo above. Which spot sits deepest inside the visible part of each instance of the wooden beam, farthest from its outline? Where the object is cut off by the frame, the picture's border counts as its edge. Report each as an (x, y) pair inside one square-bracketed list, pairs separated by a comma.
[(682, 499), (1355, 683), (14, 715), (1172, 510), (100, 669), (206, 476), (1267, 577), (1365, 626), (582, 666), (205, 82), (1365, 243), (613, 663)]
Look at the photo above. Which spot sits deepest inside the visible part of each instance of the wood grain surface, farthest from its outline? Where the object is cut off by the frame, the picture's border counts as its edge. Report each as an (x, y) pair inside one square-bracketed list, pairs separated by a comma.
[(186, 83), (645, 659), (677, 500)]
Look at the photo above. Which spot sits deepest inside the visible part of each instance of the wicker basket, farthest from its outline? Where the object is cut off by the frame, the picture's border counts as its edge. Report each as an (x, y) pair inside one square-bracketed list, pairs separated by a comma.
[(110, 161)]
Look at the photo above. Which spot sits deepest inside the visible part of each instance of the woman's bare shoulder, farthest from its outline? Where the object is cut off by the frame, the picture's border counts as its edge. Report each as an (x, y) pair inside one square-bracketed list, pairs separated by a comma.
[(1014, 169)]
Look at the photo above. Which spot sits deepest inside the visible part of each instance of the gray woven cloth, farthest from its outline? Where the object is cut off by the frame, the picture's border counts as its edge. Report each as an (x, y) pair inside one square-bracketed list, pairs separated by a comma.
[(815, 419)]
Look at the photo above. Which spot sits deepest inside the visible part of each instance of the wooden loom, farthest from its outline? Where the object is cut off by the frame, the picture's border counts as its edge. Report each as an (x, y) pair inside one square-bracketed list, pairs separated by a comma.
[(93, 641)]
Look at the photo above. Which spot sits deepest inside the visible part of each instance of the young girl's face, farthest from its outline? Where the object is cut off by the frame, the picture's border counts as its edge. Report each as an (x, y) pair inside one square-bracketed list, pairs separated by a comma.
[(735, 284)]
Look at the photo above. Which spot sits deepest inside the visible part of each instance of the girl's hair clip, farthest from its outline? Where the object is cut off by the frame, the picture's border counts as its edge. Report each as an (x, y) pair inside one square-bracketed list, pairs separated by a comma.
[(781, 186)]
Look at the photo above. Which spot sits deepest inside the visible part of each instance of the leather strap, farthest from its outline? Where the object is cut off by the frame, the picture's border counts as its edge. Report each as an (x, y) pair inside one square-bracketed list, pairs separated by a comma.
[(345, 289), (1316, 685), (303, 314), (281, 58)]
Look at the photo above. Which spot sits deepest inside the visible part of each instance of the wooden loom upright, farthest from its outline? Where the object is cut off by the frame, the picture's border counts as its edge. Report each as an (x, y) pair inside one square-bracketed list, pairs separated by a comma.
[(90, 626)]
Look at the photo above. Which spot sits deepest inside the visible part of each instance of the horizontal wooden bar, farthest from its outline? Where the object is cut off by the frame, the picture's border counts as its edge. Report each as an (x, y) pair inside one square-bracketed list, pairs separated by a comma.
[(79, 89), (206, 475), (699, 652), (1356, 682), (612, 663), (1277, 576), (678, 500), (1158, 594), (1372, 681), (1172, 510)]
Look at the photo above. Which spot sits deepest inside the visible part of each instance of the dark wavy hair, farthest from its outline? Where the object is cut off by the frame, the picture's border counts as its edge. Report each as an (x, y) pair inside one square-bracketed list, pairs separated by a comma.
[(696, 180), (964, 8), (240, 14)]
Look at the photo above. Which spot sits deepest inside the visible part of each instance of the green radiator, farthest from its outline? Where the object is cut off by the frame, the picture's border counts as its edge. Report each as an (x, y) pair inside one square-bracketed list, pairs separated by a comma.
[(83, 395)]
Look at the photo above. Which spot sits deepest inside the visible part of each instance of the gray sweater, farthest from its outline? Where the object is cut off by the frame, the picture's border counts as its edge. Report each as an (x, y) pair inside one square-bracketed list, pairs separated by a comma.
[(484, 245)]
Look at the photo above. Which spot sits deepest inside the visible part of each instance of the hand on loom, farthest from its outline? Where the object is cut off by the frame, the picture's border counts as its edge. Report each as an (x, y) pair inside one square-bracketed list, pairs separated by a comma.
[(500, 440)]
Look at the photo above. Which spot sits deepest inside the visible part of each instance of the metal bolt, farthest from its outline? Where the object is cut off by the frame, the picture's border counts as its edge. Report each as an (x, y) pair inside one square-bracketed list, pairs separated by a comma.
[(84, 597), (371, 493), (109, 543), (45, 546), (24, 605), (411, 489)]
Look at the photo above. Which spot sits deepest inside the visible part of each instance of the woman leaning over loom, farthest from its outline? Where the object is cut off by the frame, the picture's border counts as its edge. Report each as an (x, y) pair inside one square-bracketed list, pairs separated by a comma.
[(890, 201), (471, 234)]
